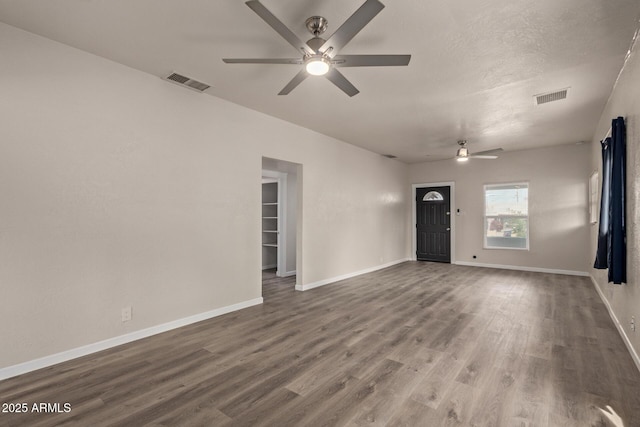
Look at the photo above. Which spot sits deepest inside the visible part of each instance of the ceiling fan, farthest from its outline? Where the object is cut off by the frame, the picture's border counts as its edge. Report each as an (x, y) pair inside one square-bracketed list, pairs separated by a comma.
[(319, 56), (463, 153)]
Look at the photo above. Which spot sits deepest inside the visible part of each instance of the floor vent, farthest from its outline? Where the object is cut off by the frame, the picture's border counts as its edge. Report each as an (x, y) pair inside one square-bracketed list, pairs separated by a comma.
[(557, 95), (181, 80)]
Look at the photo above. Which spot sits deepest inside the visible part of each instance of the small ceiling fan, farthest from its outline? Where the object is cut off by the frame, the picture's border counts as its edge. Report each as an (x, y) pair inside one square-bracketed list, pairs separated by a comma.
[(319, 56), (463, 153)]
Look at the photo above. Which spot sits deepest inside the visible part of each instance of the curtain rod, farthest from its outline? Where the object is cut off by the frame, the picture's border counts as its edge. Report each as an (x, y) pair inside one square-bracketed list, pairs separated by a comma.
[(608, 134)]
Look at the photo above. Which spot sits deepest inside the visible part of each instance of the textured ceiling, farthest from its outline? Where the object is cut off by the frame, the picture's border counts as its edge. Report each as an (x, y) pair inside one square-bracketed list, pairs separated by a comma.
[(475, 67)]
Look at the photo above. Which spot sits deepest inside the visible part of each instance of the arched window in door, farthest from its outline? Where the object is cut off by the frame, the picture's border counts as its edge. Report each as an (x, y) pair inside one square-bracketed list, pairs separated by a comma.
[(432, 196)]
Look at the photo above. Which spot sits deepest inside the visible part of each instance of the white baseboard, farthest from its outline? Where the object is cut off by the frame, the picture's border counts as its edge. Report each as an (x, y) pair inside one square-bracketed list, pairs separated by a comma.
[(319, 283), (32, 365), (521, 268), (289, 273), (269, 267), (623, 334)]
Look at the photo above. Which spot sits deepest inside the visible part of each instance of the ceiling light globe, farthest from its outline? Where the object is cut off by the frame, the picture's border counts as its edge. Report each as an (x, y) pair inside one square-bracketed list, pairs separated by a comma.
[(462, 159), (317, 66), (462, 152)]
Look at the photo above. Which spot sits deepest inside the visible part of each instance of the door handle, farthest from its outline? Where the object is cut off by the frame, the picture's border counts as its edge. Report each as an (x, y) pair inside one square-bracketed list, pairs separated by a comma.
[(448, 228)]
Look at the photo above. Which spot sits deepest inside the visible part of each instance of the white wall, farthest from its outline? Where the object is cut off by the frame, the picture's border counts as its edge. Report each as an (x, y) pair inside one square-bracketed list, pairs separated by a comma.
[(120, 189), (354, 204), (624, 299), (558, 204)]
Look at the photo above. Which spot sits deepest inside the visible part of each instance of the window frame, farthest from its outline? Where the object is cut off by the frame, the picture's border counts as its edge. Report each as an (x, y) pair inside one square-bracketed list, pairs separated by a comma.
[(594, 198), (485, 217)]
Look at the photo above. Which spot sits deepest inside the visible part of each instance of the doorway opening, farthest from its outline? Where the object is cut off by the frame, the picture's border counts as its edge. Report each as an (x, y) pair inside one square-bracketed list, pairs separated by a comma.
[(281, 188)]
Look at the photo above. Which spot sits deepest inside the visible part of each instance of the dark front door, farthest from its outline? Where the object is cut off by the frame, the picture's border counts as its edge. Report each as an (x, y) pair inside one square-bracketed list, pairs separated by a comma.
[(433, 224)]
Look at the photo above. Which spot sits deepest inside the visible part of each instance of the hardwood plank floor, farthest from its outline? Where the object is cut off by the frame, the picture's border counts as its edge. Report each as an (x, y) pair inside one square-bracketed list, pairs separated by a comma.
[(417, 344)]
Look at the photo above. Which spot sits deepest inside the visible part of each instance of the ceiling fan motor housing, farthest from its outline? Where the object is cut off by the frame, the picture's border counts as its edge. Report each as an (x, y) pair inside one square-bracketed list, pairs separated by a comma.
[(315, 43)]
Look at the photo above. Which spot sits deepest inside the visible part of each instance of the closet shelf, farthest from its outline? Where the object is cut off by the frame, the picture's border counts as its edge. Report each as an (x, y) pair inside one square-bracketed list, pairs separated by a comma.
[(270, 245)]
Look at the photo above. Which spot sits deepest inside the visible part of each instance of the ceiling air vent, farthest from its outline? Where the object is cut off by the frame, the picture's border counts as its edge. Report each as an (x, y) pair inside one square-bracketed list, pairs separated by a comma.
[(187, 82), (557, 95)]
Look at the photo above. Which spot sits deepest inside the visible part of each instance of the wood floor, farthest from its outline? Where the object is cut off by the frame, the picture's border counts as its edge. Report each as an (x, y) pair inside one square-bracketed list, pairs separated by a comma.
[(417, 344)]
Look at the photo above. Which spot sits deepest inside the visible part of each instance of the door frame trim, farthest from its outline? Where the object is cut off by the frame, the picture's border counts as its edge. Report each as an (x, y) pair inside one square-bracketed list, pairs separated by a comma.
[(414, 220)]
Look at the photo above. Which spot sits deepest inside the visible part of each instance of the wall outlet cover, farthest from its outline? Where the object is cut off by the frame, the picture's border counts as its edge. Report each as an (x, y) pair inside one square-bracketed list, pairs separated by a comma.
[(126, 314)]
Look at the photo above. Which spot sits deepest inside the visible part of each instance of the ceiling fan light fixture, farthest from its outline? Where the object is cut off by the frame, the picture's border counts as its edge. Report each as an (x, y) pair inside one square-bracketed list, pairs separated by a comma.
[(462, 154), (317, 65)]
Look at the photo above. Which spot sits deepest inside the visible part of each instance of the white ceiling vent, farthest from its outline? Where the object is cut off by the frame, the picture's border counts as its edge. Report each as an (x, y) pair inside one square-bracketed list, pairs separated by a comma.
[(557, 95), (187, 82)]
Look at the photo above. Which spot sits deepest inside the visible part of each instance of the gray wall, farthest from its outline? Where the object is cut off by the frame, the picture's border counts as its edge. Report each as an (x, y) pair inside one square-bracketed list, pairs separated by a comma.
[(120, 189), (624, 101), (558, 204)]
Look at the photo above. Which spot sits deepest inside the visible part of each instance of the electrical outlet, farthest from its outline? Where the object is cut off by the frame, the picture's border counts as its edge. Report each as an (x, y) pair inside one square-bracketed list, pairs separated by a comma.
[(126, 314)]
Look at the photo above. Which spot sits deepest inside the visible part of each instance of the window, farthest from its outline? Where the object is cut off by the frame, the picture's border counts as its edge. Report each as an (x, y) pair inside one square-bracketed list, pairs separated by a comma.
[(506, 216), (593, 198), (432, 196)]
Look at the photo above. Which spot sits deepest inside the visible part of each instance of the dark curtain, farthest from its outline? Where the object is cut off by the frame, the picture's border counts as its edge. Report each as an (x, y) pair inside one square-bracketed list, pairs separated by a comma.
[(612, 240)]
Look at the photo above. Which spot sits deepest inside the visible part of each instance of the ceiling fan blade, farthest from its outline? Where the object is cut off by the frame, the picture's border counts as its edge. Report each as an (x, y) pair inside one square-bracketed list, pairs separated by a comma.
[(351, 27), (473, 156), (370, 60), (280, 28), (341, 81), (296, 61), (294, 82), (488, 152)]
